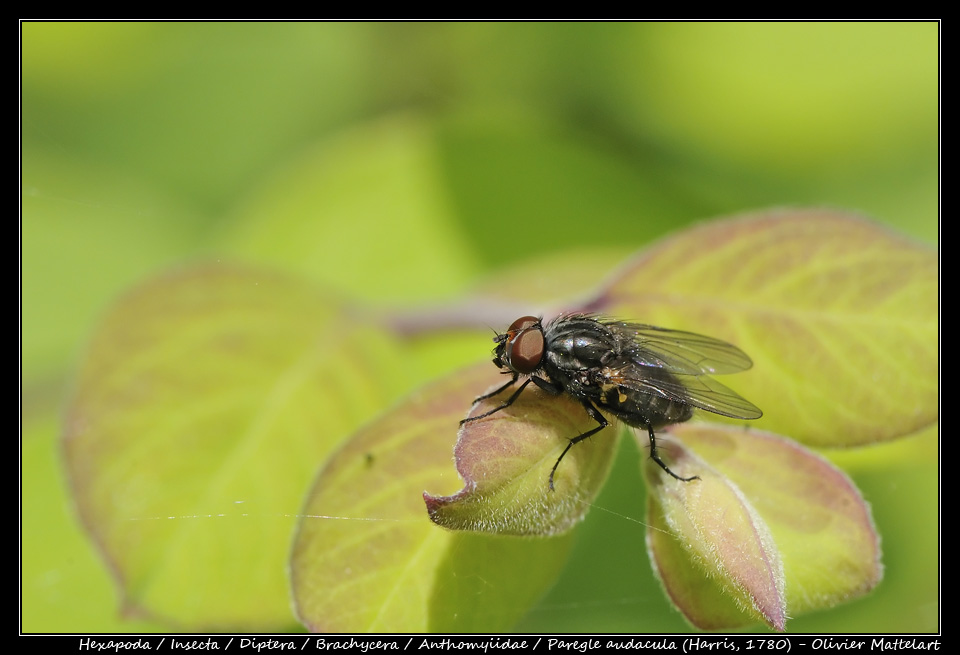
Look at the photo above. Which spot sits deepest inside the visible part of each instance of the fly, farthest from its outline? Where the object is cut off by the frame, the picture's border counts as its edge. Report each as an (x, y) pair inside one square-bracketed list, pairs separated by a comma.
[(646, 376)]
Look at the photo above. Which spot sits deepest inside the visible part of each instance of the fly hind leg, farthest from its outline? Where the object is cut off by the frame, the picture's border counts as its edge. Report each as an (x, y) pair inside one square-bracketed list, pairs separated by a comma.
[(655, 456)]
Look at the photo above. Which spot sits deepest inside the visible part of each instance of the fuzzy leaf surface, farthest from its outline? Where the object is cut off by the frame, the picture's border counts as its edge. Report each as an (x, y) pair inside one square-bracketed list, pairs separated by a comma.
[(505, 461), (367, 558), (770, 530), (202, 408)]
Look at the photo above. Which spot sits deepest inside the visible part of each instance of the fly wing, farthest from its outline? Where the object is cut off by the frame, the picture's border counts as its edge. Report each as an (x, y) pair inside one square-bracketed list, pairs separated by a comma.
[(686, 353), (699, 391)]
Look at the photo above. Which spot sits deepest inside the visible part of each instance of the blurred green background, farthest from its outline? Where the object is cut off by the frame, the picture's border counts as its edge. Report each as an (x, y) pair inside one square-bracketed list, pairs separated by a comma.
[(438, 154)]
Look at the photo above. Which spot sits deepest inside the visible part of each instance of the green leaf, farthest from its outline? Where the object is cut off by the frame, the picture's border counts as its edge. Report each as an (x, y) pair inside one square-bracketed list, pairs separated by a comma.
[(202, 408), (367, 558), (506, 461), (64, 586), (838, 314), (713, 530), (770, 529)]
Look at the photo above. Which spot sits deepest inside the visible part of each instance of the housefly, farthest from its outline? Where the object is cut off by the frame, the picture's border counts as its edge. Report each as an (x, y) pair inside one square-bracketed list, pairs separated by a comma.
[(645, 376)]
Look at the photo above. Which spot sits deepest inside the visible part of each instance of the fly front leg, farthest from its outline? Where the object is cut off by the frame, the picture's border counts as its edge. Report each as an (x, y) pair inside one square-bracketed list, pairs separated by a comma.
[(596, 416), (655, 456), (512, 381), (506, 404), (540, 382)]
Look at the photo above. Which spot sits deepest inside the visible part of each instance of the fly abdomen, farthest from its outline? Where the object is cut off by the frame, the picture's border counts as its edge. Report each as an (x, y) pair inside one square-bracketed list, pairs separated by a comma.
[(642, 409)]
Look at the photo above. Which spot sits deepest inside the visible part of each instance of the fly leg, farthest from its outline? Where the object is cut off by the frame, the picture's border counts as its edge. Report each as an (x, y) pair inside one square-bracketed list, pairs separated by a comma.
[(513, 380), (540, 382), (655, 456), (596, 416), (506, 404)]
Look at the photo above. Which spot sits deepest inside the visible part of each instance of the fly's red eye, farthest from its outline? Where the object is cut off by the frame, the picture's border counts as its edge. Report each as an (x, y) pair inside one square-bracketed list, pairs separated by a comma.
[(521, 323), (524, 348)]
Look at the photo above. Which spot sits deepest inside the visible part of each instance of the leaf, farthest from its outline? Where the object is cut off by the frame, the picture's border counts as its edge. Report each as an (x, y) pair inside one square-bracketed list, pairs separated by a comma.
[(720, 537), (57, 565), (838, 314), (770, 528), (366, 557), (203, 406), (506, 461)]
